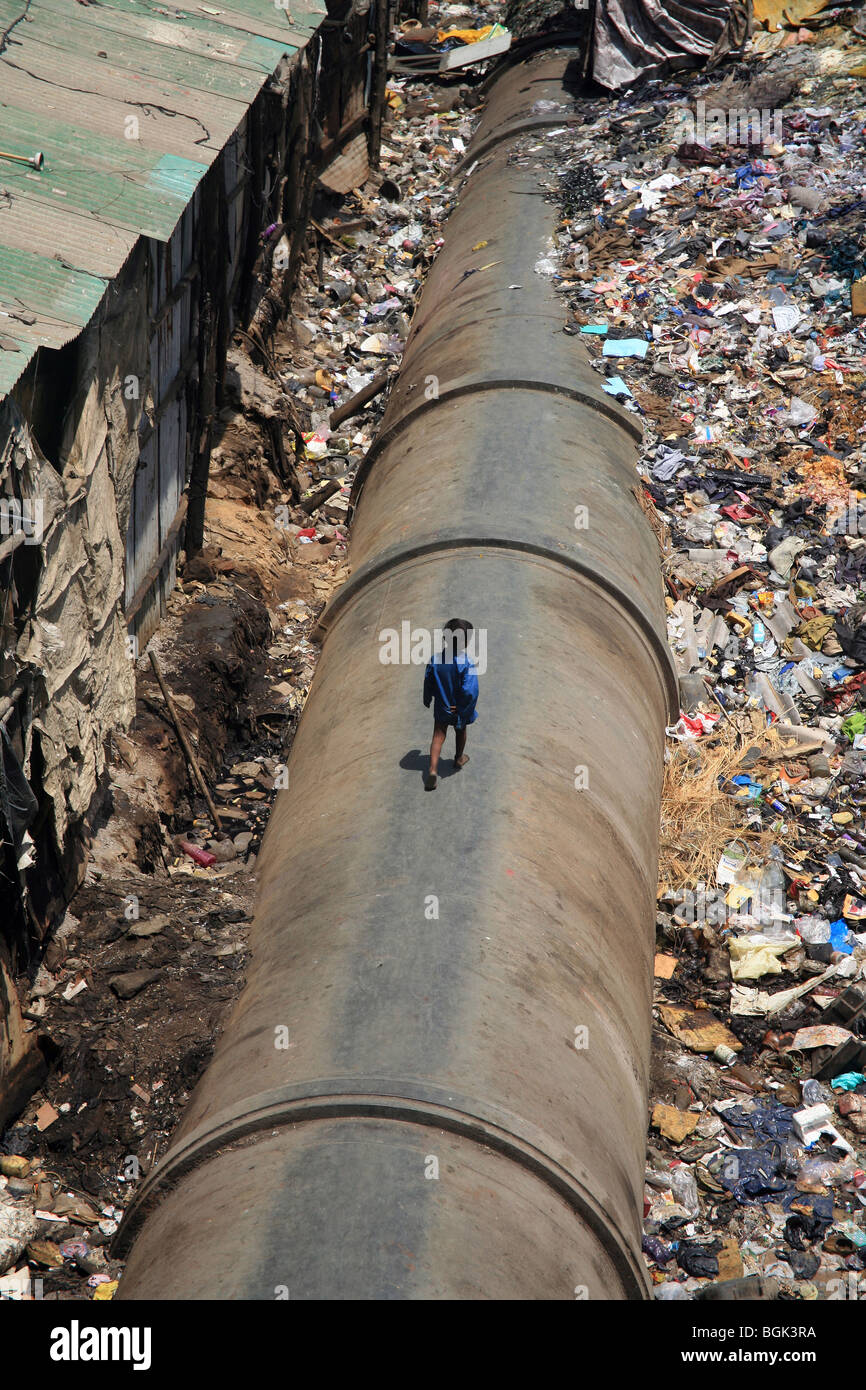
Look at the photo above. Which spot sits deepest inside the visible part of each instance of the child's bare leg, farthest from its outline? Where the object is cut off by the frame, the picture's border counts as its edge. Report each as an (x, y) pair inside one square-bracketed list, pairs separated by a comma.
[(460, 758), (439, 732)]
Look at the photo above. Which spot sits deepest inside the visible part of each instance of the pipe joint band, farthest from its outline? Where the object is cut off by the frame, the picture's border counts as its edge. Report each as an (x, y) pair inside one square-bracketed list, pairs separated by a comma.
[(408, 1103)]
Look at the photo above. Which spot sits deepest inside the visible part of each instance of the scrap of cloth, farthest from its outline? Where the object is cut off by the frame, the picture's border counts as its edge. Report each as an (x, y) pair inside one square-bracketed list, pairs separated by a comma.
[(466, 35), (633, 39), (453, 688)]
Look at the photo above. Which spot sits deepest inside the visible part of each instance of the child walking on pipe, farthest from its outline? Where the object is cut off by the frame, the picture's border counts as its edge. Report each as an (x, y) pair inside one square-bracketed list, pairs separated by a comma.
[(451, 683)]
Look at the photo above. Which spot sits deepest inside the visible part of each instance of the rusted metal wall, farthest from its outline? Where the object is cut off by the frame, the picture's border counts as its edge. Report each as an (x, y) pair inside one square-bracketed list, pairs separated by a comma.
[(434, 1084), (170, 378)]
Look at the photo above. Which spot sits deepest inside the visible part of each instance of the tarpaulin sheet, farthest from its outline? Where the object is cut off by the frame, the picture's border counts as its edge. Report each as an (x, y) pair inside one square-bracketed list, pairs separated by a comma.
[(17, 802), (71, 637), (634, 39)]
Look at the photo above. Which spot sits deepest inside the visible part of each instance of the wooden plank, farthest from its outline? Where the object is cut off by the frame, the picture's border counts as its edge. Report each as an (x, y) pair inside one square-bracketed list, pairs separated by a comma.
[(22, 1065), (146, 506), (171, 470), (129, 563), (144, 593)]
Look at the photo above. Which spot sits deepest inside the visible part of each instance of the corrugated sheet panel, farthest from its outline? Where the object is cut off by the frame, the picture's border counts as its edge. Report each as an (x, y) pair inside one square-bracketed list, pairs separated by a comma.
[(130, 102)]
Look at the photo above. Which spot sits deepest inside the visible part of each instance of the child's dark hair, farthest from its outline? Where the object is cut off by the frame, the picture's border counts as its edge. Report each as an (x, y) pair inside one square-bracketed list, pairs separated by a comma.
[(455, 635)]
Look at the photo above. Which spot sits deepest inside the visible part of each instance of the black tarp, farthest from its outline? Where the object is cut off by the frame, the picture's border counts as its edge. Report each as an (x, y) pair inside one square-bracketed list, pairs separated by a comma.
[(18, 805)]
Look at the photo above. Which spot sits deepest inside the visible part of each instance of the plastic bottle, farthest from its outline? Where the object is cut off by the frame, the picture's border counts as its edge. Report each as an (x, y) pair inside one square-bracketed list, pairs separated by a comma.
[(792, 1156), (671, 1292), (684, 1188), (767, 889), (816, 1174), (814, 1093), (772, 890), (813, 930), (754, 691)]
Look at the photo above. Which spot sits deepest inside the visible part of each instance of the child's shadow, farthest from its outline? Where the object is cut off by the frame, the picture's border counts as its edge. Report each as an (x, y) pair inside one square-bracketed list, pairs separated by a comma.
[(416, 761)]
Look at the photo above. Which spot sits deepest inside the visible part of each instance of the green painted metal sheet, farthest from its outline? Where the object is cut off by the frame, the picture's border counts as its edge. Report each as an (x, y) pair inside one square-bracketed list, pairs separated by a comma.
[(190, 52), (74, 74), (113, 180), (36, 285)]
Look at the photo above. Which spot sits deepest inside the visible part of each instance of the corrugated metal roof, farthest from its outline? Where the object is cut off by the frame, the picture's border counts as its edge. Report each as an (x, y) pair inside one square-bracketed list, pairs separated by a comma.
[(72, 74)]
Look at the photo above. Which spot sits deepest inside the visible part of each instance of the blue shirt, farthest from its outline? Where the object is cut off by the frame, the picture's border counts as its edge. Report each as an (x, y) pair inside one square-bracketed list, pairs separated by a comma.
[(452, 683)]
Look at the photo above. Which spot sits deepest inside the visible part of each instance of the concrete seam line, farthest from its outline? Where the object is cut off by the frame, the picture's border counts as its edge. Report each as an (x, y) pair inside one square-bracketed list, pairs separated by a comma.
[(386, 564), (387, 436), (262, 1112)]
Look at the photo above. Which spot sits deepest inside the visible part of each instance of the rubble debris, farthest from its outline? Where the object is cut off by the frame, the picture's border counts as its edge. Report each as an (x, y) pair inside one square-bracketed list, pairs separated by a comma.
[(188, 753), (714, 273), (18, 1226), (133, 982), (674, 1124)]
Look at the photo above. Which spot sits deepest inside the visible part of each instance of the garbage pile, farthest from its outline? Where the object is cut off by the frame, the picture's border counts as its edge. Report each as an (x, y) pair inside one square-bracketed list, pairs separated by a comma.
[(419, 48), (712, 256), (54, 1230)]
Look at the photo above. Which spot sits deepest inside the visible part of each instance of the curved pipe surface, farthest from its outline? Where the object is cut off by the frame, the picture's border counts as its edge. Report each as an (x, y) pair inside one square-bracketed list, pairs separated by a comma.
[(434, 1083)]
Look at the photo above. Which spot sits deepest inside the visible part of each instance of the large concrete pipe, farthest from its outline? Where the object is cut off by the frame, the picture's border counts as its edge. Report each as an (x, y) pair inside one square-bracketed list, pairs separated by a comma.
[(434, 1084)]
